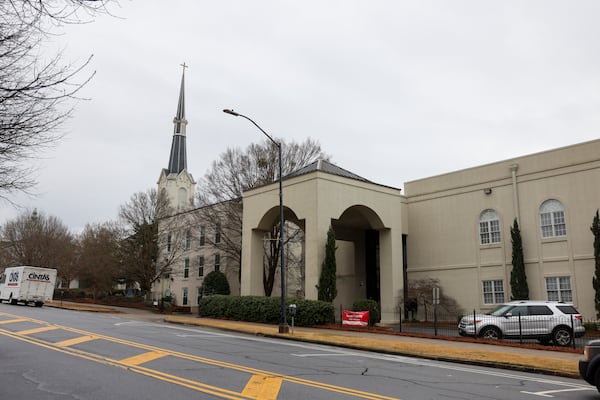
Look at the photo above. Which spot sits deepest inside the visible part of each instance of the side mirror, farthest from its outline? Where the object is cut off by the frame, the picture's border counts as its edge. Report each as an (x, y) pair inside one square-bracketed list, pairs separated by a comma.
[(508, 314)]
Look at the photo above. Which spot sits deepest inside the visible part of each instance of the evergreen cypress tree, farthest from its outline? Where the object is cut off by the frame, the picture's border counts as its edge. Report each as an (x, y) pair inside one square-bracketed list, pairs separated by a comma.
[(327, 283), (518, 279), (596, 280)]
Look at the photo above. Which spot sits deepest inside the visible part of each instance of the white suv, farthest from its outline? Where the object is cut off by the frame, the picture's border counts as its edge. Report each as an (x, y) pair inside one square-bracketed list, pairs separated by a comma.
[(547, 321)]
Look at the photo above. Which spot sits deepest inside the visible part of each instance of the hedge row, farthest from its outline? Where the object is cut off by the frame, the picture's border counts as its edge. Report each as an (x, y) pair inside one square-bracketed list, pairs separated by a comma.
[(266, 309)]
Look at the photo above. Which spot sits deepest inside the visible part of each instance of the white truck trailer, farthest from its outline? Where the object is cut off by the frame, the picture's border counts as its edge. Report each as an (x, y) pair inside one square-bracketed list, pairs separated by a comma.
[(27, 285)]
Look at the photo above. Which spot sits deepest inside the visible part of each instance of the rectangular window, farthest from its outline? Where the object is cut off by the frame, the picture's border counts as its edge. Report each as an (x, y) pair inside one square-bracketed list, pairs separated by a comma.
[(489, 231), (484, 232), (184, 296), (188, 239), (218, 233), (168, 242), (495, 231), (558, 288), (493, 292), (546, 224), (198, 294), (217, 262), (186, 268), (202, 235), (560, 229), (553, 224), (200, 266)]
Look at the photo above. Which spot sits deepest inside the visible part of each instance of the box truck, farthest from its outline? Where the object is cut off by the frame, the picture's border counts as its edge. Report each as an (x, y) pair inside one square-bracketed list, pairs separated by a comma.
[(27, 285)]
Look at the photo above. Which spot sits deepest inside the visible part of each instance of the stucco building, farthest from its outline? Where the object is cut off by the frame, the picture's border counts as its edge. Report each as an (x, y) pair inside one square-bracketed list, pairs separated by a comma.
[(454, 228)]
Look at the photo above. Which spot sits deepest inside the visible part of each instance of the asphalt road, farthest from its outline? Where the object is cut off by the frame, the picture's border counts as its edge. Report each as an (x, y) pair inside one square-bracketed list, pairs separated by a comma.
[(62, 354)]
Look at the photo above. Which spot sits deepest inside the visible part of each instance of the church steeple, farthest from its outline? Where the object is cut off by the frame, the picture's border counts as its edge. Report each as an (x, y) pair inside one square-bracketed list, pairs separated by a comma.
[(178, 157), (175, 180)]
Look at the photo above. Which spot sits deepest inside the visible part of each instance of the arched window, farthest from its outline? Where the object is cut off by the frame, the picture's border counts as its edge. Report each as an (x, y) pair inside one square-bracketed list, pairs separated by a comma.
[(489, 227), (552, 219)]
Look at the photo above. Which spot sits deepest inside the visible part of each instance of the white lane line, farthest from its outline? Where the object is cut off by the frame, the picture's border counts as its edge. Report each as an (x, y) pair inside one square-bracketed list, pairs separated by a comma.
[(323, 355), (548, 393)]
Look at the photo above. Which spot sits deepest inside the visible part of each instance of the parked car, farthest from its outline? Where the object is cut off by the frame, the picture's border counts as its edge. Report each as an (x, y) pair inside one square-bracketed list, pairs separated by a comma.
[(589, 367), (546, 321)]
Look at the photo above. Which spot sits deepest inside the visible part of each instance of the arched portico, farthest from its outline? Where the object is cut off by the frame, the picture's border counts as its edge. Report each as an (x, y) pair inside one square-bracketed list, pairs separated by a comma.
[(366, 217)]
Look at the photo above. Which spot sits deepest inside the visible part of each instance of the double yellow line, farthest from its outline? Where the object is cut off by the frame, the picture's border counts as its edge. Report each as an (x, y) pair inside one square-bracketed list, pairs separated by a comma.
[(261, 385)]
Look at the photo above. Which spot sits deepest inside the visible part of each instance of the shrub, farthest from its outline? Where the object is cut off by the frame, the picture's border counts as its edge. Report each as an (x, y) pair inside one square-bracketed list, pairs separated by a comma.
[(265, 309), (591, 325), (368, 305), (216, 283)]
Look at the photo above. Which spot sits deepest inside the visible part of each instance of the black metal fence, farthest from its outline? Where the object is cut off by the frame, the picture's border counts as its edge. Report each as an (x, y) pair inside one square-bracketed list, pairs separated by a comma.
[(526, 330)]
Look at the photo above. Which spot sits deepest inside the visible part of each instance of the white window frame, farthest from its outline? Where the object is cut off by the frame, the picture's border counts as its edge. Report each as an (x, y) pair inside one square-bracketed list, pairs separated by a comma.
[(188, 239), (186, 268), (559, 288), (489, 228), (218, 233), (202, 235), (493, 291), (200, 266), (169, 242), (553, 222), (217, 262), (184, 296)]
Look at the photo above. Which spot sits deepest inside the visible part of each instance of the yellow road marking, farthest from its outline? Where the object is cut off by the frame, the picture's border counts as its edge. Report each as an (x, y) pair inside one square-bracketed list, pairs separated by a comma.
[(262, 387), (270, 387), (11, 321), (37, 330), (190, 384), (142, 358), (77, 340)]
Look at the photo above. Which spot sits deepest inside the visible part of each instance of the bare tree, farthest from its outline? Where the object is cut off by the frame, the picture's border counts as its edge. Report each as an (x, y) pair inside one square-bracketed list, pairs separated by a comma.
[(140, 246), (33, 238), (99, 258), (420, 293), (36, 94), (237, 171)]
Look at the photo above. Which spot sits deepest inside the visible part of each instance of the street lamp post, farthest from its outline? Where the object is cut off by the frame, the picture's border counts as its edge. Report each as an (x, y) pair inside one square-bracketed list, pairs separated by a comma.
[(283, 326)]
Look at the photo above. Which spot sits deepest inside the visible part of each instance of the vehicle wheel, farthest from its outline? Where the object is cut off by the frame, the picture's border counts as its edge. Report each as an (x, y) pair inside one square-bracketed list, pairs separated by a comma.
[(39, 303), (490, 332), (561, 336)]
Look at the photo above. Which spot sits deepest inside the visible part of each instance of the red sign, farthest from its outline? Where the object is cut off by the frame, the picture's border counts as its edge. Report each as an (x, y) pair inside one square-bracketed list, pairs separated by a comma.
[(355, 318)]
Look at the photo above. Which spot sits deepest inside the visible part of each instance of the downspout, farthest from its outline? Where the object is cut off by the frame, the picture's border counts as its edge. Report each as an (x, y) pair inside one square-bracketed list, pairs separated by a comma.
[(513, 170)]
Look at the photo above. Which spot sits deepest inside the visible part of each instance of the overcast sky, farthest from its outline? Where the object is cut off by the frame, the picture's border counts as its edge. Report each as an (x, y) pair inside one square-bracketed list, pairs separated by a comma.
[(393, 90)]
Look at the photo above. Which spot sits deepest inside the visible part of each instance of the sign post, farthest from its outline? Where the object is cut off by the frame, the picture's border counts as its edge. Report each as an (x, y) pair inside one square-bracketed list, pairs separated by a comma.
[(436, 301)]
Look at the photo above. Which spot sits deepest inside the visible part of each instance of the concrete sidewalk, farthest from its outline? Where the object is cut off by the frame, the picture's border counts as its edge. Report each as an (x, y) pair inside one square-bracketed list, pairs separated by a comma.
[(552, 362)]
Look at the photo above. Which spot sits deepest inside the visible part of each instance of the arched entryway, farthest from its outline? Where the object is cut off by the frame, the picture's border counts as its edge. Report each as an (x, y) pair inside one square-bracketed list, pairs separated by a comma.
[(293, 251), (367, 220), (358, 255)]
